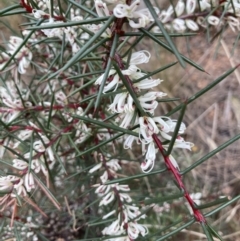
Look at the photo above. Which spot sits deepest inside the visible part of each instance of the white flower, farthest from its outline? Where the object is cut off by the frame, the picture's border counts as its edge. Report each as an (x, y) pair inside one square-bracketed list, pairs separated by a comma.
[(130, 212), (127, 118), (24, 55), (151, 152), (134, 229), (103, 190), (102, 11), (166, 15), (213, 20), (20, 189), (147, 165), (124, 197), (183, 145), (143, 15), (53, 32), (179, 25), (190, 6), (204, 4), (164, 123), (149, 107), (95, 168), (174, 162), (132, 71), (104, 177), (129, 141), (123, 188), (37, 165), (6, 182), (140, 57), (101, 8), (38, 13), (196, 197), (112, 83), (114, 164), (19, 164), (109, 214), (147, 83), (29, 181), (201, 21), (179, 9), (172, 124), (23, 135), (191, 25), (147, 129), (113, 229), (233, 23), (118, 103), (38, 146), (152, 95), (61, 98)]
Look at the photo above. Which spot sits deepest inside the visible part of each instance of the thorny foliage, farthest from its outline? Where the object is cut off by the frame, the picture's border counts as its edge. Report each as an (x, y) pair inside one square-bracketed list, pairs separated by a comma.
[(75, 102)]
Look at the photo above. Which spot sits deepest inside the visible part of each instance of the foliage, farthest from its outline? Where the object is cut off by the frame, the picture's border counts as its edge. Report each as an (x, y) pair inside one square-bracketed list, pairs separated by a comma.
[(79, 112)]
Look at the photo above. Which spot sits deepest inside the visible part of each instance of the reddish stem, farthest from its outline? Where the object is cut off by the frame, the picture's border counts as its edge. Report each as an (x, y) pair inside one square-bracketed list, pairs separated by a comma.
[(178, 177)]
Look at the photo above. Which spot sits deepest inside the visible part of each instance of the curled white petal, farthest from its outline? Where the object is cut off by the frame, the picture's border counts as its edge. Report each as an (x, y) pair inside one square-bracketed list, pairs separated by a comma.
[(213, 20), (147, 165), (192, 25), (190, 6)]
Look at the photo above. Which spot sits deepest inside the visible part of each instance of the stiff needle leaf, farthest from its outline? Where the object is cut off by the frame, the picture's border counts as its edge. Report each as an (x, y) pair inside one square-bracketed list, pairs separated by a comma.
[(167, 37)]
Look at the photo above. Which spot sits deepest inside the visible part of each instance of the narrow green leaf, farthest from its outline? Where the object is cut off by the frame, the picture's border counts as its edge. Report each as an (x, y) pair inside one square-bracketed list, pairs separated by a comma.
[(206, 231), (15, 12), (155, 72), (85, 9), (167, 37), (213, 203), (105, 125), (137, 41), (126, 179), (214, 232), (91, 149), (69, 24), (222, 206), (176, 130), (210, 154), (105, 76), (133, 34), (91, 49), (7, 9), (204, 90), (47, 191), (130, 90), (177, 230), (82, 51), (50, 112), (164, 45)]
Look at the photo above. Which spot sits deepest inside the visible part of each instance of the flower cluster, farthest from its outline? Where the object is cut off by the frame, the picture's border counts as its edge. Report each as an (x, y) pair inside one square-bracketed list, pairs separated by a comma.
[(184, 15), (126, 225), (193, 14), (23, 57), (123, 104)]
